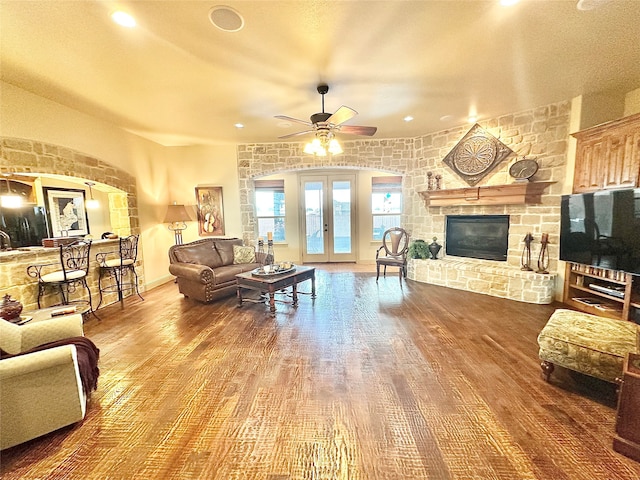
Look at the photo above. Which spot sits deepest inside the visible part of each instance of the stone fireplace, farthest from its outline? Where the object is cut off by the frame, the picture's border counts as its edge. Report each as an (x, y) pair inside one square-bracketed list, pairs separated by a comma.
[(476, 260)]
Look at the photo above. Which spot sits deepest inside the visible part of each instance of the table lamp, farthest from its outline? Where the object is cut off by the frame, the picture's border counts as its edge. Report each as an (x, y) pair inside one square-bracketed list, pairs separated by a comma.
[(176, 217)]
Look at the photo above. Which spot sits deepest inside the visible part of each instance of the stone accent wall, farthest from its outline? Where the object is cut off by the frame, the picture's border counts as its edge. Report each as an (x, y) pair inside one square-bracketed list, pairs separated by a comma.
[(257, 160), (542, 133), (478, 276), (30, 156), (119, 214)]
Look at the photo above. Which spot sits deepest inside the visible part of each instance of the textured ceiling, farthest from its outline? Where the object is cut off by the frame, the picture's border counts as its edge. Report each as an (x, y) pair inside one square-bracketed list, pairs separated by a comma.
[(178, 80)]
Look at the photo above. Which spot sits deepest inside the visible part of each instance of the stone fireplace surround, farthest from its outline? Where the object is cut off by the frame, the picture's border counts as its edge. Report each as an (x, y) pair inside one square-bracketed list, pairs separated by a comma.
[(490, 277), (485, 276)]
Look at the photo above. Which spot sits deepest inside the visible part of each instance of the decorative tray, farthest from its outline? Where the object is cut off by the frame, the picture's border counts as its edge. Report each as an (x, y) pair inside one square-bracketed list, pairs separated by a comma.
[(276, 270)]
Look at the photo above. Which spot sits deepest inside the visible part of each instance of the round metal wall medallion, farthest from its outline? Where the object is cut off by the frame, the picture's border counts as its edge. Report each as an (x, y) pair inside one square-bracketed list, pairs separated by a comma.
[(475, 155)]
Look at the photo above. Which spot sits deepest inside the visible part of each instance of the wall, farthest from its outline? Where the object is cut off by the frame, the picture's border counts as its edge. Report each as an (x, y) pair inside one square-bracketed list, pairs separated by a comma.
[(541, 133), (163, 175), (210, 165), (259, 160)]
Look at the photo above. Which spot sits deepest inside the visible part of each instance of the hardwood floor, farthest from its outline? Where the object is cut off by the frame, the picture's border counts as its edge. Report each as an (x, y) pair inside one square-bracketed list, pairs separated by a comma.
[(369, 381)]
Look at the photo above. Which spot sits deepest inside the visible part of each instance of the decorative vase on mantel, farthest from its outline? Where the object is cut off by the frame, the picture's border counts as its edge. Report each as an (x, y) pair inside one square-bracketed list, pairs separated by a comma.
[(434, 248), (10, 309)]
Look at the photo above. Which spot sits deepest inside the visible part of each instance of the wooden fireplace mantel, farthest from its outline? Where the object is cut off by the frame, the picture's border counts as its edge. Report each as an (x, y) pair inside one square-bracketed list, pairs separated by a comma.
[(519, 193)]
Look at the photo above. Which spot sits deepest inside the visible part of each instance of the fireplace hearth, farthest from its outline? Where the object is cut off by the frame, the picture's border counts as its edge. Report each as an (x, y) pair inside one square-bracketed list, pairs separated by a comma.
[(478, 236)]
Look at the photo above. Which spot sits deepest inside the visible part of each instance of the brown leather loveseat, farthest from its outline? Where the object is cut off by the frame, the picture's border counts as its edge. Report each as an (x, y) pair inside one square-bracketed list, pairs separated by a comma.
[(206, 269)]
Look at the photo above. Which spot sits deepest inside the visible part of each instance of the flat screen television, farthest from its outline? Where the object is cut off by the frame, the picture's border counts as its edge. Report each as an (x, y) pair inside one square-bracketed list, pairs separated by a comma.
[(602, 229)]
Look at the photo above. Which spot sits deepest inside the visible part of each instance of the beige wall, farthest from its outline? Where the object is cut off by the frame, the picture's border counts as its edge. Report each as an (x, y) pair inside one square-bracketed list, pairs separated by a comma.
[(167, 174), (163, 174), (24, 115), (212, 165)]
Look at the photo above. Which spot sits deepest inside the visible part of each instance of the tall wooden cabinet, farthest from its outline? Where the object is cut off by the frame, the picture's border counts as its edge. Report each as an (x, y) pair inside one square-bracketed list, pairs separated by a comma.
[(608, 156)]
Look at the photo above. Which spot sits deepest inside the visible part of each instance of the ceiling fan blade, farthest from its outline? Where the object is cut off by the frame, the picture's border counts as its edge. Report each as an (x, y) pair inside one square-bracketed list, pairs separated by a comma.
[(291, 119), (358, 130), (296, 134), (342, 115)]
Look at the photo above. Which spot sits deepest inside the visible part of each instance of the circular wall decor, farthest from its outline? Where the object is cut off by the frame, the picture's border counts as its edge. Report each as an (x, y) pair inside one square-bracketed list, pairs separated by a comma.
[(523, 169), (476, 154)]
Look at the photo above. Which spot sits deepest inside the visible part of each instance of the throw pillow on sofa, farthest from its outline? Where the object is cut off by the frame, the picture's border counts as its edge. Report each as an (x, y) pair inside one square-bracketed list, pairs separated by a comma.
[(243, 255)]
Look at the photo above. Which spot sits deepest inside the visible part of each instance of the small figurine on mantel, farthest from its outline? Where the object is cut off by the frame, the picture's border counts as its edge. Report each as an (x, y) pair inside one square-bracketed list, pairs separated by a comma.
[(438, 182), (429, 180)]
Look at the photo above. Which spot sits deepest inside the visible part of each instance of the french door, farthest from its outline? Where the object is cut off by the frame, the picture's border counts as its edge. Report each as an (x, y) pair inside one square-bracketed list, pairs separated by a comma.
[(328, 218)]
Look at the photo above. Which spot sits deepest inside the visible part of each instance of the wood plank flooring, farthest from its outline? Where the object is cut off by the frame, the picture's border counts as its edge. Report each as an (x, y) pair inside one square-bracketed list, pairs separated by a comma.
[(369, 381)]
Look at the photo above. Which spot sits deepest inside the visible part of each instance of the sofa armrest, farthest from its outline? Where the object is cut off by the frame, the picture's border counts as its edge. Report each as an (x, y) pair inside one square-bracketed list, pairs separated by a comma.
[(19, 338), (195, 273)]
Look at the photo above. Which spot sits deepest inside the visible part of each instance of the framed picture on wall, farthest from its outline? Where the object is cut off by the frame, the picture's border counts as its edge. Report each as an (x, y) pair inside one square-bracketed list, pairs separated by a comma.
[(210, 210), (66, 212)]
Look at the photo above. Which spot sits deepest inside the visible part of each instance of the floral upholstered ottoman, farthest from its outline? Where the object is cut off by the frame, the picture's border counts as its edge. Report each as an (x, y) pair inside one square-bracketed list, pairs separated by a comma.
[(588, 344)]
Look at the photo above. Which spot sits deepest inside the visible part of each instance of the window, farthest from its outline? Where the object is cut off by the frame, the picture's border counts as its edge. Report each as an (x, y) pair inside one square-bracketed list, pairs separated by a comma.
[(270, 208), (386, 204)]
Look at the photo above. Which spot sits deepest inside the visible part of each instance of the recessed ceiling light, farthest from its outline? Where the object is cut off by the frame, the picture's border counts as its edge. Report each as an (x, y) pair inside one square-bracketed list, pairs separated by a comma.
[(472, 119), (123, 19), (408, 118), (226, 18), (585, 5), (239, 125)]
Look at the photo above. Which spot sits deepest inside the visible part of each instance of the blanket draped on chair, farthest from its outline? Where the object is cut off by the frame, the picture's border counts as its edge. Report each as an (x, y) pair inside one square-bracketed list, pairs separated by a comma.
[(88, 355)]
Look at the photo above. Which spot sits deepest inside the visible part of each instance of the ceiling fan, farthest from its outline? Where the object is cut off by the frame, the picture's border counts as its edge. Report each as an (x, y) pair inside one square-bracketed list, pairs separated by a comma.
[(325, 125)]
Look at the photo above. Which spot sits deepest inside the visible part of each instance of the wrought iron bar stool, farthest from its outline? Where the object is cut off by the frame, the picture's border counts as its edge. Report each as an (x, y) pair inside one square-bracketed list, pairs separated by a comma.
[(115, 265), (66, 275)]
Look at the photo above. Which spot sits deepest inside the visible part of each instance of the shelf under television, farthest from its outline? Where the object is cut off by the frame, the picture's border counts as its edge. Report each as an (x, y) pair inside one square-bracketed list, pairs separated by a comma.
[(577, 280), (596, 293)]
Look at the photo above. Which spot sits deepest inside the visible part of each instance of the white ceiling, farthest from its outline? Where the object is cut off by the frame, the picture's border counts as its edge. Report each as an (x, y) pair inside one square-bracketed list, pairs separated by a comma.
[(178, 80)]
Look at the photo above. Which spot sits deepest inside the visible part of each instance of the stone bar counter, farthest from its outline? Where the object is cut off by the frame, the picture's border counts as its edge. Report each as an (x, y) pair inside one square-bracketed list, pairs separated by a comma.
[(15, 281)]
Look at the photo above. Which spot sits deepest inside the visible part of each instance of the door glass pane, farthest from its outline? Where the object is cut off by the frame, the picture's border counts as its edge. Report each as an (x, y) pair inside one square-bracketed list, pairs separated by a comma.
[(314, 217), (341, 217)]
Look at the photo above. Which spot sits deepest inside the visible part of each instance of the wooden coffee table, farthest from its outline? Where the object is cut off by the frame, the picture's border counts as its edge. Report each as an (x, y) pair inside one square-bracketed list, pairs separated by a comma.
[(272, 283)]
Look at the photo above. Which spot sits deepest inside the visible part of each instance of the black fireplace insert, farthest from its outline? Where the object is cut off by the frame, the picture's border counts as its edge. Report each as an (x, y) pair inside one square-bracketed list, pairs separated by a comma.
[(478, 236)]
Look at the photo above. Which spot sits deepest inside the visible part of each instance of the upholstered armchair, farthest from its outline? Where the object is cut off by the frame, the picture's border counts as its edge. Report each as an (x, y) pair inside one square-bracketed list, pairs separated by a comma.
[(41, 392)]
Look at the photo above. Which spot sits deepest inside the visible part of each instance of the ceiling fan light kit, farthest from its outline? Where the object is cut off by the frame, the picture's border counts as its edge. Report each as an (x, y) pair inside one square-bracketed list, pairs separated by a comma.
[(325, 125)]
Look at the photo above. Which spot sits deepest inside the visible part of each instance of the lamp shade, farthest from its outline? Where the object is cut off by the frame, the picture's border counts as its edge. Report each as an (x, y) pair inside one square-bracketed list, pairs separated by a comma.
[(176, 213)]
